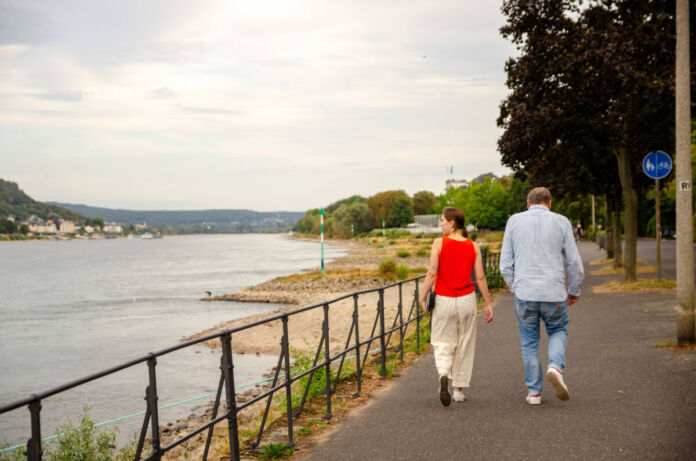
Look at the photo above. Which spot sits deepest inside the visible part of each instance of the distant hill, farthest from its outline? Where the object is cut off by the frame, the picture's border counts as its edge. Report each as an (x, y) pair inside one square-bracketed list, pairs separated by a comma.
[(14, 202), (221, 220)]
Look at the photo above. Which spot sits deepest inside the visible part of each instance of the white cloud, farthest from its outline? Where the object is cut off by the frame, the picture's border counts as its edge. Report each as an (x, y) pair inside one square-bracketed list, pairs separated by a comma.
[(207, 103)]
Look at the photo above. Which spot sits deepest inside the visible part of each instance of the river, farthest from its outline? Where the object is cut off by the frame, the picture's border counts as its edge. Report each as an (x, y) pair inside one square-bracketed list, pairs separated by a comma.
[(73, 308)]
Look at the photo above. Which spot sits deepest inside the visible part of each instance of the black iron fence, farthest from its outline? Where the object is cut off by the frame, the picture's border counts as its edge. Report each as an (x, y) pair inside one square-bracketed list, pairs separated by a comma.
[(387, 321)]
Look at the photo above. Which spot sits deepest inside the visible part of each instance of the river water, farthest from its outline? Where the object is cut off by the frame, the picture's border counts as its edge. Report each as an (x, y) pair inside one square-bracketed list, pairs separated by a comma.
[(72, 308)]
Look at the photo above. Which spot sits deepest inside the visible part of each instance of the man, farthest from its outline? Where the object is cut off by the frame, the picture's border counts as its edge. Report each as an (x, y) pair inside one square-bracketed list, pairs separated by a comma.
[(535, 244)]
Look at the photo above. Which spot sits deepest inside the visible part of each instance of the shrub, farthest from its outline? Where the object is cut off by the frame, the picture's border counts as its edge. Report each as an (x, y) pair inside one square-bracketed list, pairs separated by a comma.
[(403, 254), (473, 236), (494, 237), (276, 451), (387, 267), (421, 252), (401, 271), (392, 242)]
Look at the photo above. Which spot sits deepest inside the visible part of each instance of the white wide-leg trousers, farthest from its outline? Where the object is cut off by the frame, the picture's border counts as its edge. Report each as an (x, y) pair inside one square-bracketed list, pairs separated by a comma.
[(453, 337)]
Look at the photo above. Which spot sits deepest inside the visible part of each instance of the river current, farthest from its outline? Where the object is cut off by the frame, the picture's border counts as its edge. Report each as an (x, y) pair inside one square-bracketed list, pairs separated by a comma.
[(72, 308)]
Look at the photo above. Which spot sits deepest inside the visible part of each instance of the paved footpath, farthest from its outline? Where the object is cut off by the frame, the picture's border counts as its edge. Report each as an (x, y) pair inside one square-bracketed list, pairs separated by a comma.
[(628, 399)]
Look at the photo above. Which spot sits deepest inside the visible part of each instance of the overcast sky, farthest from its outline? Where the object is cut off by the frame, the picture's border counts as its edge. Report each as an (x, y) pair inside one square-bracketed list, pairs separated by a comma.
[(260, 104)]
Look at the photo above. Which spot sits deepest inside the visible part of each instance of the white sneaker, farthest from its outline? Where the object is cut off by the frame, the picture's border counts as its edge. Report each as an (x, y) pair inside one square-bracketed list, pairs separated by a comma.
[(534, 399), (559, 387), (459, 396)]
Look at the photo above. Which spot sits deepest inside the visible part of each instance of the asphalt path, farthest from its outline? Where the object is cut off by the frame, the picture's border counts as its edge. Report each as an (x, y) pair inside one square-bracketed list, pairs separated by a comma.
[(629, 400), (647, 250)]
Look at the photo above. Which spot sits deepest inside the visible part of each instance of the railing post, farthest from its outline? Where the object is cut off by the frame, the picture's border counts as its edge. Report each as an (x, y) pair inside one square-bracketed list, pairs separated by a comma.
[(288, 384), (358, 370), (34, 451), (152, 403), (230, 397), (401, 322), (383, 346), (327, 361), (418, 317)]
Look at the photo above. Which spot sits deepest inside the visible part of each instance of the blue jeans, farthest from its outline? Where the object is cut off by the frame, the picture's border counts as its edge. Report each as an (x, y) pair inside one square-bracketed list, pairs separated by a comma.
[(555, 316)]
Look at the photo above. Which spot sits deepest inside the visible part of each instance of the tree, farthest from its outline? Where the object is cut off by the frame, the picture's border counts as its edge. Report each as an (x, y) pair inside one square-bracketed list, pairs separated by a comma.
[(423, 202), (357, 214), (401, 213), (592, 92), (382, 203), (97, 222), (486, 204)]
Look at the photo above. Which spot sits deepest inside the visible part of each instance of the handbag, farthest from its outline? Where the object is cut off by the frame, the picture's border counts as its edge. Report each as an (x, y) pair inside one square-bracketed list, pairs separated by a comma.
[(431, 301)]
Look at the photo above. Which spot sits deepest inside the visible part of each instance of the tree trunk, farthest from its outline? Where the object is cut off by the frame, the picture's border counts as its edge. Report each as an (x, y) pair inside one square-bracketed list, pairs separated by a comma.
[(609, 225), (618, 251), (630, 215)]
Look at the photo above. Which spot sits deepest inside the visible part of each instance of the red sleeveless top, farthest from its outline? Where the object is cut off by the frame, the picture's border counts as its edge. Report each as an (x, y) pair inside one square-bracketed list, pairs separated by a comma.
[(454, 269)]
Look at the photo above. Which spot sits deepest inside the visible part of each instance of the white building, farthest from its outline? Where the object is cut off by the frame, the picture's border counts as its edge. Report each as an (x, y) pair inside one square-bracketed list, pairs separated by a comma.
[(39, 226), (112, 228), (67, 227), (460, 183)]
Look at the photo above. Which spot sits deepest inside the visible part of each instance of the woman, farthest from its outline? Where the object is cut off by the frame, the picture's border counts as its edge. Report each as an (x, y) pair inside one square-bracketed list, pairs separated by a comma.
[(453, 334)]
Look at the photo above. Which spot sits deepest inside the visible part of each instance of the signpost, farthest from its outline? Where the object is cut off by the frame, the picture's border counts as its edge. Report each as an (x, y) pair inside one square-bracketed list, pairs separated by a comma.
[(384, 234), (321, 220), (657, 165)]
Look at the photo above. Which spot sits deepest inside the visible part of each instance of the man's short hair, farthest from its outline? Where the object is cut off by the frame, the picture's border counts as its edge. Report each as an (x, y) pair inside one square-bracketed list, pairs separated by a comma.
[(539, 195)]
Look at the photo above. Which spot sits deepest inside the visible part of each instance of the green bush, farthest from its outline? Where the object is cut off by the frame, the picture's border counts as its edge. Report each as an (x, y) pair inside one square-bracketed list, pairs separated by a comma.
[(421, 252), (494, 237), (84, 442), (13, 455), (276, 451), (473, 236), (401, 271), (387, 267), (403, 254)]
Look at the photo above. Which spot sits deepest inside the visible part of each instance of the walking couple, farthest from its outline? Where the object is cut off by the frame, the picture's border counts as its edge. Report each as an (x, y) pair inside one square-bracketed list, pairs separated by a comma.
[(538, 249)]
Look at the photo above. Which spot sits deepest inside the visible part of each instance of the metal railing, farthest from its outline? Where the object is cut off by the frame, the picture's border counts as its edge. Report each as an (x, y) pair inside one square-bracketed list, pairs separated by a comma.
[(353, 342)]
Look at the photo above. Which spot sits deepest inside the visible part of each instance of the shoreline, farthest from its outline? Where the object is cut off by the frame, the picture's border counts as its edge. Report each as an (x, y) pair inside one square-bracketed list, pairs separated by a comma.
[(355, 271)]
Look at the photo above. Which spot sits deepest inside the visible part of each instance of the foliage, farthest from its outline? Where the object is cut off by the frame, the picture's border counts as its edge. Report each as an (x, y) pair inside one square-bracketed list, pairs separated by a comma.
[(304, 431), (423, 202), (8, 227), (357, 214), (276, 451), (346, 201), (382, 205), (592, 91), (402, 272), (387, 267), (18, 454), (97, 222), (403, 254), (14, 202), (401, 212), (86, 443)]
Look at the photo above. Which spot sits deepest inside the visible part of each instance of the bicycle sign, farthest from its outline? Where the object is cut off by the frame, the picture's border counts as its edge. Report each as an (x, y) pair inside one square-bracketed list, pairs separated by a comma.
[(657, 164)]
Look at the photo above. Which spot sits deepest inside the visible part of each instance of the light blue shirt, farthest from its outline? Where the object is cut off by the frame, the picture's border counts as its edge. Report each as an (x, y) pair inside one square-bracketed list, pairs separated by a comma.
[(532, 262)]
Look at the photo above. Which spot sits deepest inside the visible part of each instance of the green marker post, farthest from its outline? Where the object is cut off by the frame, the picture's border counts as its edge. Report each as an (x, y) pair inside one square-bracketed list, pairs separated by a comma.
[(384, 234), (321, 220)]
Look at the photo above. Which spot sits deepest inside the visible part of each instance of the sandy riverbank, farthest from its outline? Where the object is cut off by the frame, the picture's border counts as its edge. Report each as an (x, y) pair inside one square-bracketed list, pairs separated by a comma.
[(357, 270)]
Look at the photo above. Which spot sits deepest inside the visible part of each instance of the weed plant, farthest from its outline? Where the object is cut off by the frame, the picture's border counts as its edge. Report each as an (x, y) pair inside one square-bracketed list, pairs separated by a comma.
[(276, 451)]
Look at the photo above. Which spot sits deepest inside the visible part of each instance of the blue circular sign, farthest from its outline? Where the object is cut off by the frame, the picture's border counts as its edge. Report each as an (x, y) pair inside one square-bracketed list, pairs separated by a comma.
[(657, 164)]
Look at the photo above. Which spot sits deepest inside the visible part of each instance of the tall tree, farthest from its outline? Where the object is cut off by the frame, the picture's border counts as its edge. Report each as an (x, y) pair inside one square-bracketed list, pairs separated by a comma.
[(592, 93)]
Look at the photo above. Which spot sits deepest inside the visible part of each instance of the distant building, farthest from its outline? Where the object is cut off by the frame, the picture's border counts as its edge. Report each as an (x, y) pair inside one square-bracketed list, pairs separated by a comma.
[(40, 226), (141, 227), (89, 229), (112, 228), (480, 179), (11, 218), (460, 183), (66, 227), (427, 220)]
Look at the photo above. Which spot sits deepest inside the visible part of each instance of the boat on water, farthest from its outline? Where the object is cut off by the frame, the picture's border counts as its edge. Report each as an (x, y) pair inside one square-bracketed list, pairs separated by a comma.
[(146, 235)]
